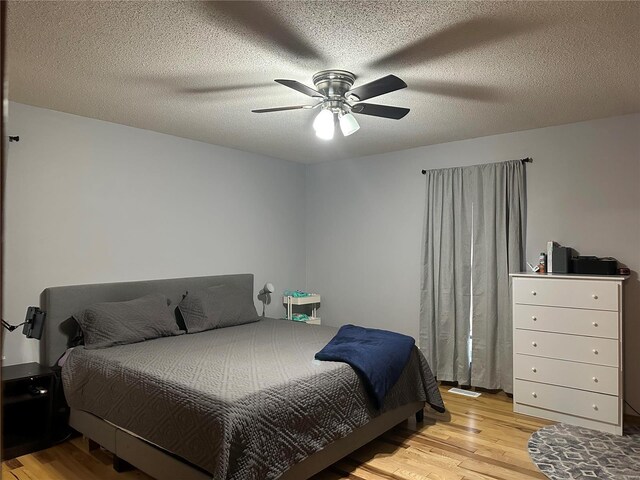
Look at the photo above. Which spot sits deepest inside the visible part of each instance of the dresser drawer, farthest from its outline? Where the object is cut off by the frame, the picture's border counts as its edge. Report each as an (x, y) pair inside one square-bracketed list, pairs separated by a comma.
[(595, 378), (596, 406), (595, 294), (594, 323), (599, 351)]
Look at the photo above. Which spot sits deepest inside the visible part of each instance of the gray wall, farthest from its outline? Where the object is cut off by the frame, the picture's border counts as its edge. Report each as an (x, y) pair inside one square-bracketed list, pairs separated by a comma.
[(365, 218), (90, 201), (188, 208)]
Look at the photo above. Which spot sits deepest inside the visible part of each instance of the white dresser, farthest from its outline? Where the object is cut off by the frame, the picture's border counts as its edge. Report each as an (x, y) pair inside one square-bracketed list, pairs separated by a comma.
[(567, 349)]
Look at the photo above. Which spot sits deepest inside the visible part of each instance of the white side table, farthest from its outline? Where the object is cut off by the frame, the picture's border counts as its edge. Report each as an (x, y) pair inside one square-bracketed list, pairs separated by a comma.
[(313, 300)]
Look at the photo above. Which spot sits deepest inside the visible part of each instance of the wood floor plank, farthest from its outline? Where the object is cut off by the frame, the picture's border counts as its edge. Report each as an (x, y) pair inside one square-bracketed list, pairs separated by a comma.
[(7, 473), (501, 470), (477, 439), (11, 464), (21, 473), (39, 470)]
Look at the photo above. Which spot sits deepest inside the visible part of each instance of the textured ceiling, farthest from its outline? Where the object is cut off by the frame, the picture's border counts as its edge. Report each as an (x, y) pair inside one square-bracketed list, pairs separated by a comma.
[(197, 69)]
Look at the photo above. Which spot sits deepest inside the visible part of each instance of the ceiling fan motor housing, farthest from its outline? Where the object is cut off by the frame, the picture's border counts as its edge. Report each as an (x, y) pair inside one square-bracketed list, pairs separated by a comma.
[(334, 84)]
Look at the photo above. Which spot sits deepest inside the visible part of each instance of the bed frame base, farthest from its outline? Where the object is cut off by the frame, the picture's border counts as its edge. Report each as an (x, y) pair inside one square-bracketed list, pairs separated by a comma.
[(129, 450), (90, 445), (119, 465)]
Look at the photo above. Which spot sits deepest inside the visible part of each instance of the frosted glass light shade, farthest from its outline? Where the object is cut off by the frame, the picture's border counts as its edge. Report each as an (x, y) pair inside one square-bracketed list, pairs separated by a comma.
[(348, 124), (323, 125)]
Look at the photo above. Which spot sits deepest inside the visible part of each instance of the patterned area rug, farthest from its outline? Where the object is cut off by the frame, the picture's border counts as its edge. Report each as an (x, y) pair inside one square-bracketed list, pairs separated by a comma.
[(565, 452)]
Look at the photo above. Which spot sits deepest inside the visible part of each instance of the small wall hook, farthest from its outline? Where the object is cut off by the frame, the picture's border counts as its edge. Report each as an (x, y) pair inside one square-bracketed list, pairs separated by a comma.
[(14, 138)]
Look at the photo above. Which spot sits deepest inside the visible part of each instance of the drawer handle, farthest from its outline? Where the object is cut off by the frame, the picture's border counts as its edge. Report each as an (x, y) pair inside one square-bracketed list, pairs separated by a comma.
[(534, 369), (595, 407), (594, 296), (534, 318), (533, 292), (534, 344), (595, 352), (595, 379), (595, 324), (535, 395)]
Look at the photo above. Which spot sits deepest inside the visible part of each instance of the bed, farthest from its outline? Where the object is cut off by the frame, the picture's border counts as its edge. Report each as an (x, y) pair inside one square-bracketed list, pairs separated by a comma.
[(242, 402)]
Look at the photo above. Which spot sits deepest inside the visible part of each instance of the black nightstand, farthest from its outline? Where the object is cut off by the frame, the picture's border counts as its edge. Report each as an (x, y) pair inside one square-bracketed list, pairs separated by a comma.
[(26, 414)]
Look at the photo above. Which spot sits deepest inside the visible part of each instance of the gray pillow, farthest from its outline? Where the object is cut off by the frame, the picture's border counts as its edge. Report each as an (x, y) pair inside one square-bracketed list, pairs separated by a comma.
[(217, 307), (118, 323)]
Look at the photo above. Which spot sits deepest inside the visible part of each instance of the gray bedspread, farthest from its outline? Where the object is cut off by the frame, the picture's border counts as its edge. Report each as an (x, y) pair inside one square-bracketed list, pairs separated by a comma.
[(243, 402)]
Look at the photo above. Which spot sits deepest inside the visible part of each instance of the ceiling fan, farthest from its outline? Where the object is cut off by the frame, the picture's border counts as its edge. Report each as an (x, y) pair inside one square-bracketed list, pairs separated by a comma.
[(338, 100)]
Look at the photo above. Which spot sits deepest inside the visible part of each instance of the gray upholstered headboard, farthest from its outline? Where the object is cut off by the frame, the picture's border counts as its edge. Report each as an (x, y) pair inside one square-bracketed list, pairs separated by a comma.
[(61, 303)]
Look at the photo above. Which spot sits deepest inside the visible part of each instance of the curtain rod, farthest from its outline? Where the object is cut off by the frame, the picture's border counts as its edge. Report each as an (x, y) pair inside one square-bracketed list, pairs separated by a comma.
[(523, 160)]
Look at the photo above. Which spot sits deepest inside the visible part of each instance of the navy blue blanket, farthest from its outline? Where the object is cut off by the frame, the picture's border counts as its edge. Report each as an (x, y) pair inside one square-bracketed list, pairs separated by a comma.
[(378, 356)]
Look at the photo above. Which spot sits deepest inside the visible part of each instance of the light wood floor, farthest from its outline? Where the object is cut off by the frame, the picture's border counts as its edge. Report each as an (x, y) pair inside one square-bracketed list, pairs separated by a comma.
[(482, 439)]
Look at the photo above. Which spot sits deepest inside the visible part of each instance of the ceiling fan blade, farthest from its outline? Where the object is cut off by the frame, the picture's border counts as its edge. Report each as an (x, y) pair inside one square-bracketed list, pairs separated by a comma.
[(383, 85), (280, 109), (455, 38), (258, 18), (300, 87), (375, 110)]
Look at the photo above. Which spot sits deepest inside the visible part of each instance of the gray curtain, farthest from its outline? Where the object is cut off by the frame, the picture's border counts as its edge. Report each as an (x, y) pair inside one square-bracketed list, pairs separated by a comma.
[(498, 249), (480, 207), (445, 296)]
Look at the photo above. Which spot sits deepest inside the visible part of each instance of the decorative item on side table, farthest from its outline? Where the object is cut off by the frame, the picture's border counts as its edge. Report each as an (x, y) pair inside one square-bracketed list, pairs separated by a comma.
[(559, 258), (564, 260), (292, 298), (264, 295), (27, 407), (591, 265), (542, 263)]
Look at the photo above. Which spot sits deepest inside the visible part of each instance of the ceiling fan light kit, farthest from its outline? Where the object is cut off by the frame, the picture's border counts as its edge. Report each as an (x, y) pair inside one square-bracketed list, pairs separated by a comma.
[(348, 123), (333, 88), (324, 124)]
